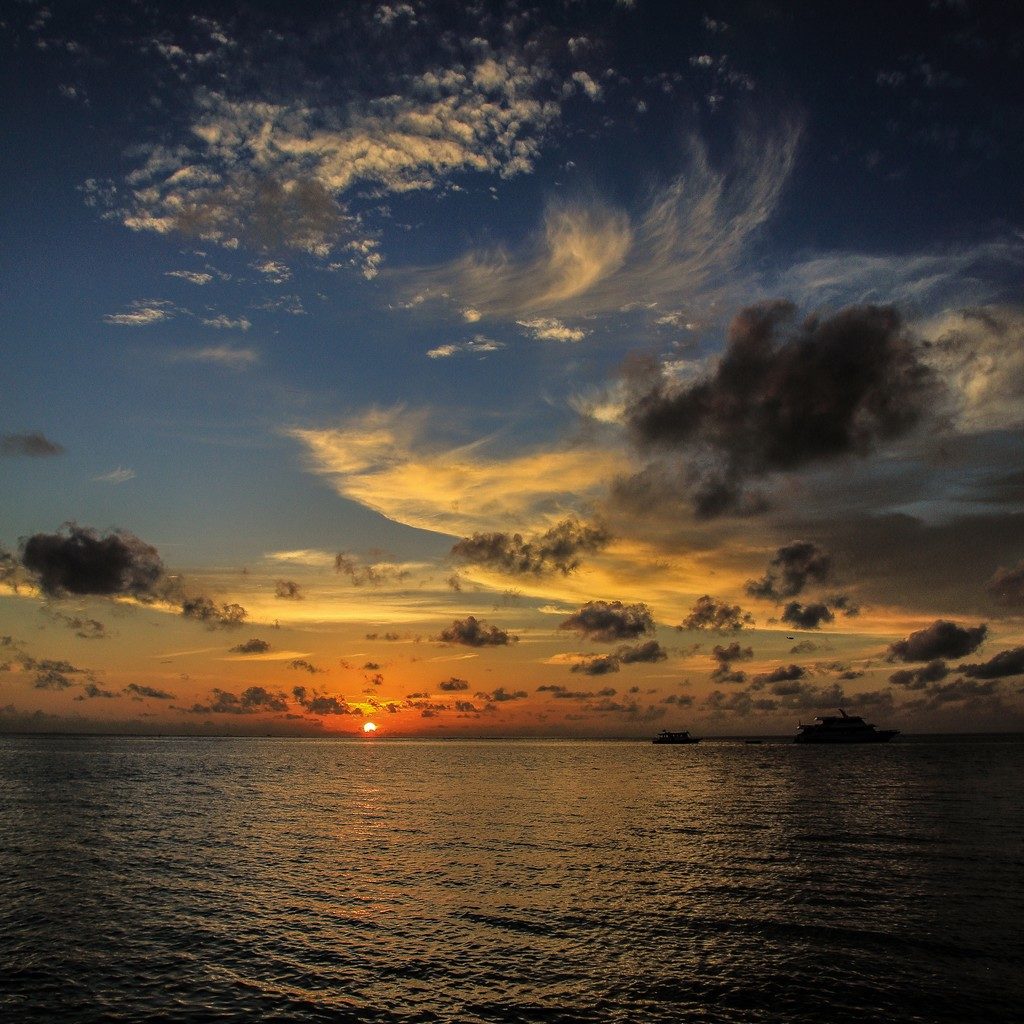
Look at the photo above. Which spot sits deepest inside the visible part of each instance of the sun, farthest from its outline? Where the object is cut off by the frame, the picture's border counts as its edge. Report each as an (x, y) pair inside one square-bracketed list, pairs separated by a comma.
[(369, 727)]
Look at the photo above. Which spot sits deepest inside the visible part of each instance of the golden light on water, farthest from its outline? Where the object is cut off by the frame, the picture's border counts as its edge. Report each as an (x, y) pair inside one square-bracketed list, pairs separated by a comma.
[(369, 727)]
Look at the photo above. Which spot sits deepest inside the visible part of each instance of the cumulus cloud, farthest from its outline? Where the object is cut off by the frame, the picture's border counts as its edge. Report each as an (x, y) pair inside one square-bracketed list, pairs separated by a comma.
[(724, 654), (550, 329), (253, 700), (81, 561), (479, 345), (784, 673), (807, 616), (375, 574), (301, 664), (139, 691), (710, 613), (84, 627), (454, 685), (216, 616), (34, 445), (608, 621), (594, 665), (252, 646), (287, 590), (322, 704), (942, 639), (649, 652), (471, 632), (141, 313), (1005, 663), (558, 549), (784, 396), (791, 568), (502, 696), (918, 678)]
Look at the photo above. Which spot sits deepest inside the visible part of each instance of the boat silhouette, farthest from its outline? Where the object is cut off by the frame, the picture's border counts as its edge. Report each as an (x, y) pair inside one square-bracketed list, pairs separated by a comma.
[(842, 728)]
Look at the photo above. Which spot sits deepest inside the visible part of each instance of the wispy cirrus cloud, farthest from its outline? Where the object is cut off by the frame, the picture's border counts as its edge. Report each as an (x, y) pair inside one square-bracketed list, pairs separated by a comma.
[(218, 355), (385, 461), (591, 258)]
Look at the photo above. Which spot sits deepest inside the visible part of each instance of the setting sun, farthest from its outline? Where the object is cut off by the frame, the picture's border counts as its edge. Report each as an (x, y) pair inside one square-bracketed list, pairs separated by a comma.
[(369, 727)]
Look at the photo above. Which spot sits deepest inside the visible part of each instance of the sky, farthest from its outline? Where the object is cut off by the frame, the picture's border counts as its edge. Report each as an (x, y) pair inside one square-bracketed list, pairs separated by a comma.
[(567, 369)]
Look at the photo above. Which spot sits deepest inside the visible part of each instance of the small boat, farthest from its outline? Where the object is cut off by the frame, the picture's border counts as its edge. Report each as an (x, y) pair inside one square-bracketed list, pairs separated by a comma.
[(842, 728), (675, 737)]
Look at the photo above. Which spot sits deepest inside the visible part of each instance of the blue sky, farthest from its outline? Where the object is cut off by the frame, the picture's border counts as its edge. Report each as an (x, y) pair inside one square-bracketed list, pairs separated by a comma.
[(283, 284)]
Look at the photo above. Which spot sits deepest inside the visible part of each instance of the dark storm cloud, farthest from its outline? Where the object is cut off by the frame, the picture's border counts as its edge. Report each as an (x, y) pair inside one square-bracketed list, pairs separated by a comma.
[(287, 590), (80, 561), (34, 445), (787, 395), (215, 616), (454, 685), (137, 691), (252, 646), (733, 652), (1007, 586), (961, 691), (807, 616), (607, 621), (556, 550), (709, 613), (780, 674), (792, 568), (1005, 663), (919, 678), (941, 639)]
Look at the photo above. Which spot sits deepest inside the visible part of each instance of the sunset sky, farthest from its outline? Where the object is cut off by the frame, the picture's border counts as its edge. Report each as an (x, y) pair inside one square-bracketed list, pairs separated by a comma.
[(581, 368)]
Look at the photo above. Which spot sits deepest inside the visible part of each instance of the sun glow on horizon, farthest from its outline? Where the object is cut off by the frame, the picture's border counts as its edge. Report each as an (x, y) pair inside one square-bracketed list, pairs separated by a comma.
[(369, 727)]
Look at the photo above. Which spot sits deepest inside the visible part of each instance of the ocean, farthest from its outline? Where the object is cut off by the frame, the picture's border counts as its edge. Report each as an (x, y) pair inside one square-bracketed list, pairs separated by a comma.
[(384, 880)]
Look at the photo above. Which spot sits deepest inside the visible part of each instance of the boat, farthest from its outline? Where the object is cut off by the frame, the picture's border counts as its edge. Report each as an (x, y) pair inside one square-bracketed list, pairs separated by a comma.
[(842, 728), (675, 737)]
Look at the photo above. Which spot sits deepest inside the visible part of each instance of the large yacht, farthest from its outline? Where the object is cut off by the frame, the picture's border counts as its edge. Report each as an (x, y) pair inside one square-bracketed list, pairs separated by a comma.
[(675, 737), (842, 728)]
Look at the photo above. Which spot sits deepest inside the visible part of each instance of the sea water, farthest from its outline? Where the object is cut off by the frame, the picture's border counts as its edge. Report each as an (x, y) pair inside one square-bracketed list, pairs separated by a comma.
[(178, 879)]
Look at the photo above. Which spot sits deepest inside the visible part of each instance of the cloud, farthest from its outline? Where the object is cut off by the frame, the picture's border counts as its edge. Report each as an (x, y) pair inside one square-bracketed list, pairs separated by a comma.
[(222, 322), (192, 276), (142, 313), (382, 460), (81, 561), (253, 646), (709, 613), (85, 628), (287, 590), (279, 174), (253, 700), (807, 616), (792, 567), (116, 476), (34, 445), (473, 633), (919, 678), (607, 621), (502, 696), (322, 704), (649, 652), (454, 685), (785, 396), (734, 652), (558, 549), (138, 691), (550, 329), (373, 574), (1005, 663), (215, 616), (480, 345), (942, 639), (591, 258), (594, 665), (217, 355), (784, 673), (91, 690), (1007, 586)]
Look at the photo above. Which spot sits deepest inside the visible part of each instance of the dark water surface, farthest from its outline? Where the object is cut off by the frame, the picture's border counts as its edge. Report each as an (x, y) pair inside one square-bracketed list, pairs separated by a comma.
[(292, 880)]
